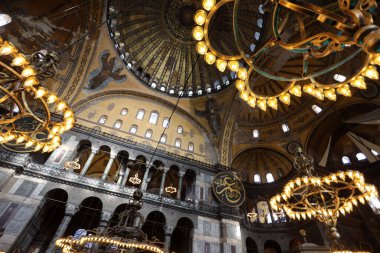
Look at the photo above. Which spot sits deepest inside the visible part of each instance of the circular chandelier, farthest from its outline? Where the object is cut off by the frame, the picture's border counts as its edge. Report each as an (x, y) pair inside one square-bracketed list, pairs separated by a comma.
[(125, 236), (26, 106), (323, 197), (350, 33)]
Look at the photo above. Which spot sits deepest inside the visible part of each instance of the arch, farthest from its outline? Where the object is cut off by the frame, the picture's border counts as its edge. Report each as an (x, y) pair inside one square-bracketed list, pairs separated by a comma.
[(155, 176), (133, 129), (115, 215), (165, 122), (251, 245), (137, 168), (180, 129), (346, 160), (118, 124), (190, 147), (148, 134), (99, 162), (171, 179), (102, 120), (38, 234), (153, 118), (124, 112), (140, 114), (257, 178), (163, 138), (269, 177), (87, 217), (82, 152), (154, 226), (118, 167), (181, 239), (178, 143), (271, 246), (280, 172), (188, 191)]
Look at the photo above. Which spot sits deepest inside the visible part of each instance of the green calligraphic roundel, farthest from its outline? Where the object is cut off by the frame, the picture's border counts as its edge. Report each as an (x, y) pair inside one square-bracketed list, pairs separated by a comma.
[(228, 189)]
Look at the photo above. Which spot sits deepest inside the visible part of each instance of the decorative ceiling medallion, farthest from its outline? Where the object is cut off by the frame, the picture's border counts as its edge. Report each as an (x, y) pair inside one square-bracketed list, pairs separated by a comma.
[(228, 189), (154, 41), (322, 53)]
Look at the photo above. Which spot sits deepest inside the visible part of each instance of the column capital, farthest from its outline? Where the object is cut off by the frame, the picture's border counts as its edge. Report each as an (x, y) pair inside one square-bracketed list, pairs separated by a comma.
[(113, 156), (71, 209), (181, 173), (168, 229), (166, 170), (106, 216), (94, 150)]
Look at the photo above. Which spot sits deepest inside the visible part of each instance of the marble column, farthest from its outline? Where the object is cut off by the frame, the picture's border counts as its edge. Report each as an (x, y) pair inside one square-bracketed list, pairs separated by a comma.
[(108, 168), (163, 180), (168, 237), (104, 219), (179, 190), (125, 177), (88, 162), (144, 183), (70, 210)]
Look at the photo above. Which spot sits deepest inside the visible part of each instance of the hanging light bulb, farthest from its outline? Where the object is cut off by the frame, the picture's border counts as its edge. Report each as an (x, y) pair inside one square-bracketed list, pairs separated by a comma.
[(200, 17), (272, 103), (318, 93), (242, 73), (240, 85), (233, 66), (359, 82), (40, 92), (244, 95), (285, 98), (7, 48), (19, 60), (262, 104), (344, 90), (309, 88), (198, 33), (52, 98), (28, 71), (208, 4), (296, 90), (210, 58), (252, 102), (370, 72), (30, 81), (221, 65), (201, 48), (330, 94)]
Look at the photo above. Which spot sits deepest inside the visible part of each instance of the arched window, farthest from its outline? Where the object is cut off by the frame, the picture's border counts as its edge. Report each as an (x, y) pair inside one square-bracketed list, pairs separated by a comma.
[(140, 114), (180, 129), (148, 134), (178, 143), (124, 111), (360, 156), (255, 133), (285, 127), (191, 147), (118, 124), (316, 109), (165, 122), (346, 160), (280, 172), (339, 78), (102, 119), (374, 203), (163, 138), (374, 152), (257, 178), (133, 129), (153, 117), (269, 178)]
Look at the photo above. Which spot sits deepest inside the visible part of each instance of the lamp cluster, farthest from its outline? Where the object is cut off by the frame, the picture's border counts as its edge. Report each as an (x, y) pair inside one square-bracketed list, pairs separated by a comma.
[(135, 179), (237, 63), (324, 198), (22, 90), (71, 245), (170, 189)]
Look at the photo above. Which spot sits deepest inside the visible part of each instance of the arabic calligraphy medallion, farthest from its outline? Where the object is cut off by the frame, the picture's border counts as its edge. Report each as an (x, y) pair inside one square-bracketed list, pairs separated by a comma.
[(228, 189)]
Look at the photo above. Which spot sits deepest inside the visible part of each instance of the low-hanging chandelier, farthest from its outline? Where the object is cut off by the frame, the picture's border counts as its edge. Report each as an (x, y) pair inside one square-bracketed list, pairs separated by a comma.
[(349, 26), (322, 197), (26, 105), (125, 236)]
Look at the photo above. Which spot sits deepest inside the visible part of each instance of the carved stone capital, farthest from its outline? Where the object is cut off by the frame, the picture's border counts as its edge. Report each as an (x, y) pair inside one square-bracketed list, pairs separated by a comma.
[(181, 173), (106, 216), (71, 209), (169, 230)]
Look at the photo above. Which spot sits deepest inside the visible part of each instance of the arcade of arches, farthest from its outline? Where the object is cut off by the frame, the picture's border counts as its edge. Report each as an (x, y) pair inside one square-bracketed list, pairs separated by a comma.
[(152, 115)]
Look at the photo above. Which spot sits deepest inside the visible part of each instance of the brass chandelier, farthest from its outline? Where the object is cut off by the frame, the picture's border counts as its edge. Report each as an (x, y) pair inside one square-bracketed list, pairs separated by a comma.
[(323, 197), (349, 28), (126, 236), (26, 105)]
